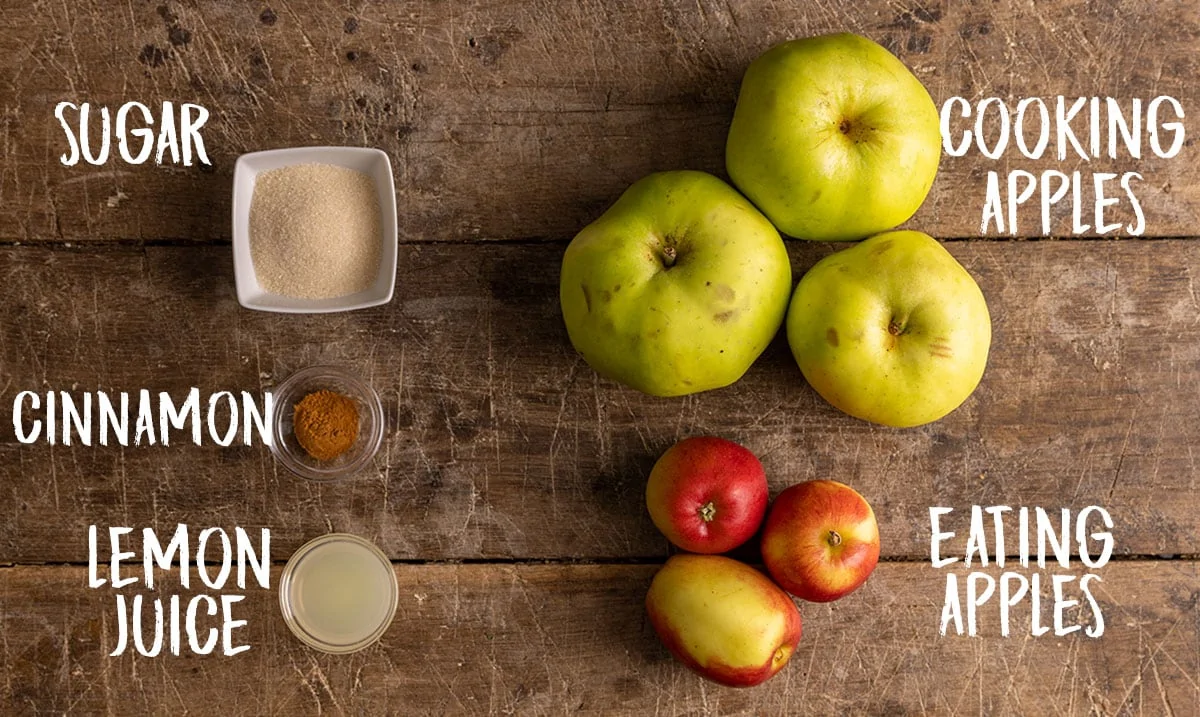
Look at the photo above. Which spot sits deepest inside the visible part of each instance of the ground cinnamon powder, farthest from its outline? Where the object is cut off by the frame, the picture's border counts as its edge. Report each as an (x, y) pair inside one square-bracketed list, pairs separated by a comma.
[(325, 424)]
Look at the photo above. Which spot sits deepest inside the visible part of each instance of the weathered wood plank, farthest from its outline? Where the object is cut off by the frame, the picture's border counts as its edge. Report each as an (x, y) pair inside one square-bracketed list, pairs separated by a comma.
[(477, 639), (503, 443), (523, 120)]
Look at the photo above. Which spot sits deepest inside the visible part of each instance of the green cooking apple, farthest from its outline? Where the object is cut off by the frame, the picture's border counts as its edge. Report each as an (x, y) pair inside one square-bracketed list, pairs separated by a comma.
[(677, 288), (892, 330), (833, 138)]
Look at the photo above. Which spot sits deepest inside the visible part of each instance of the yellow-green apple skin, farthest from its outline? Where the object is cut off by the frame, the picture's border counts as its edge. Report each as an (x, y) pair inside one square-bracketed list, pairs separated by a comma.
[(723, 619), (833, 138), (892, 330), (677, 288)]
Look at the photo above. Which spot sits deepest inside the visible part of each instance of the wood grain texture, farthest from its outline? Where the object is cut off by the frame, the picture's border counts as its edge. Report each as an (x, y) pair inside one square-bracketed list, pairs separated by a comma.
[(510, 126), (524, 120), (502, 442), (535, 639)]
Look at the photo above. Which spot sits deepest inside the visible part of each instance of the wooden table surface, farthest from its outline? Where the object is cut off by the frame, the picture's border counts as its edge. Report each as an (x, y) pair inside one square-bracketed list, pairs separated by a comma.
[(509, 489)]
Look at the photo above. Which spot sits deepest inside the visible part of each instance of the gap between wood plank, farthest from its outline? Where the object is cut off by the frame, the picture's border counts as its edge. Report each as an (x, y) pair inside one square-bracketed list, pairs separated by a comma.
[(94, 244), (895, 559)]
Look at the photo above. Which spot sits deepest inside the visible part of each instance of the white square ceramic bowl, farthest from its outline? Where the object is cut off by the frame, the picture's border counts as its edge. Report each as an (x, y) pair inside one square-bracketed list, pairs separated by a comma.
[(375, 163)]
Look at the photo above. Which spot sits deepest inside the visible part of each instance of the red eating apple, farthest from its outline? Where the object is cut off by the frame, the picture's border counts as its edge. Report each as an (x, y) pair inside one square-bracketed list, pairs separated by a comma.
[(707, 494), (820, 541)]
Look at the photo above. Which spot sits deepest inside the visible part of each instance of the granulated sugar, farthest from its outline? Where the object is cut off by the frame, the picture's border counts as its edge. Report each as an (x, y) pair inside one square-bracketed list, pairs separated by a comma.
[(315, 231)]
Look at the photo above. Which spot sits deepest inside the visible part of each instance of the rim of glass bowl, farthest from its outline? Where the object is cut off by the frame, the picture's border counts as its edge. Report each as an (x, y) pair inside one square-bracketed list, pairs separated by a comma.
[(297, 627), (284, 400)]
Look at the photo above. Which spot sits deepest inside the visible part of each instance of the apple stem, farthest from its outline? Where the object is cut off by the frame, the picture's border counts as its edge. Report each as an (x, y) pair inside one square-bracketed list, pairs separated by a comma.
[(707, 512), (834, 538), (668, 256)]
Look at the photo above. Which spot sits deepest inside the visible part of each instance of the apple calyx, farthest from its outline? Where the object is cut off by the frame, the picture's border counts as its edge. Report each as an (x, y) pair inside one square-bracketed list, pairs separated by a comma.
[(669, 256), (834, 539), (707, 512), (854, 130), (895, 328)]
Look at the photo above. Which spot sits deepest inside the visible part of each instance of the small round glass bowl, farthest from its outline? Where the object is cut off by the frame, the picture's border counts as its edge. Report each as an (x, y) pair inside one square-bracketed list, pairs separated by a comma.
[(338, 593), (288, 450)]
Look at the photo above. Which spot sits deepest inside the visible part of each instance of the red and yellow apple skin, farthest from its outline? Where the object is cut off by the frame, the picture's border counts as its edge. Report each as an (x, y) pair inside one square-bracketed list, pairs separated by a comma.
[(723, 619), (707, 494), (820, 541)]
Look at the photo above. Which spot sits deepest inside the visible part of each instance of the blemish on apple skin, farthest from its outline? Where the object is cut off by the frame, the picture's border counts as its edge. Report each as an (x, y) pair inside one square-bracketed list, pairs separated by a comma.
[(724, 316), (940, 351), (724, 292), (832, 337), (883, 246)]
